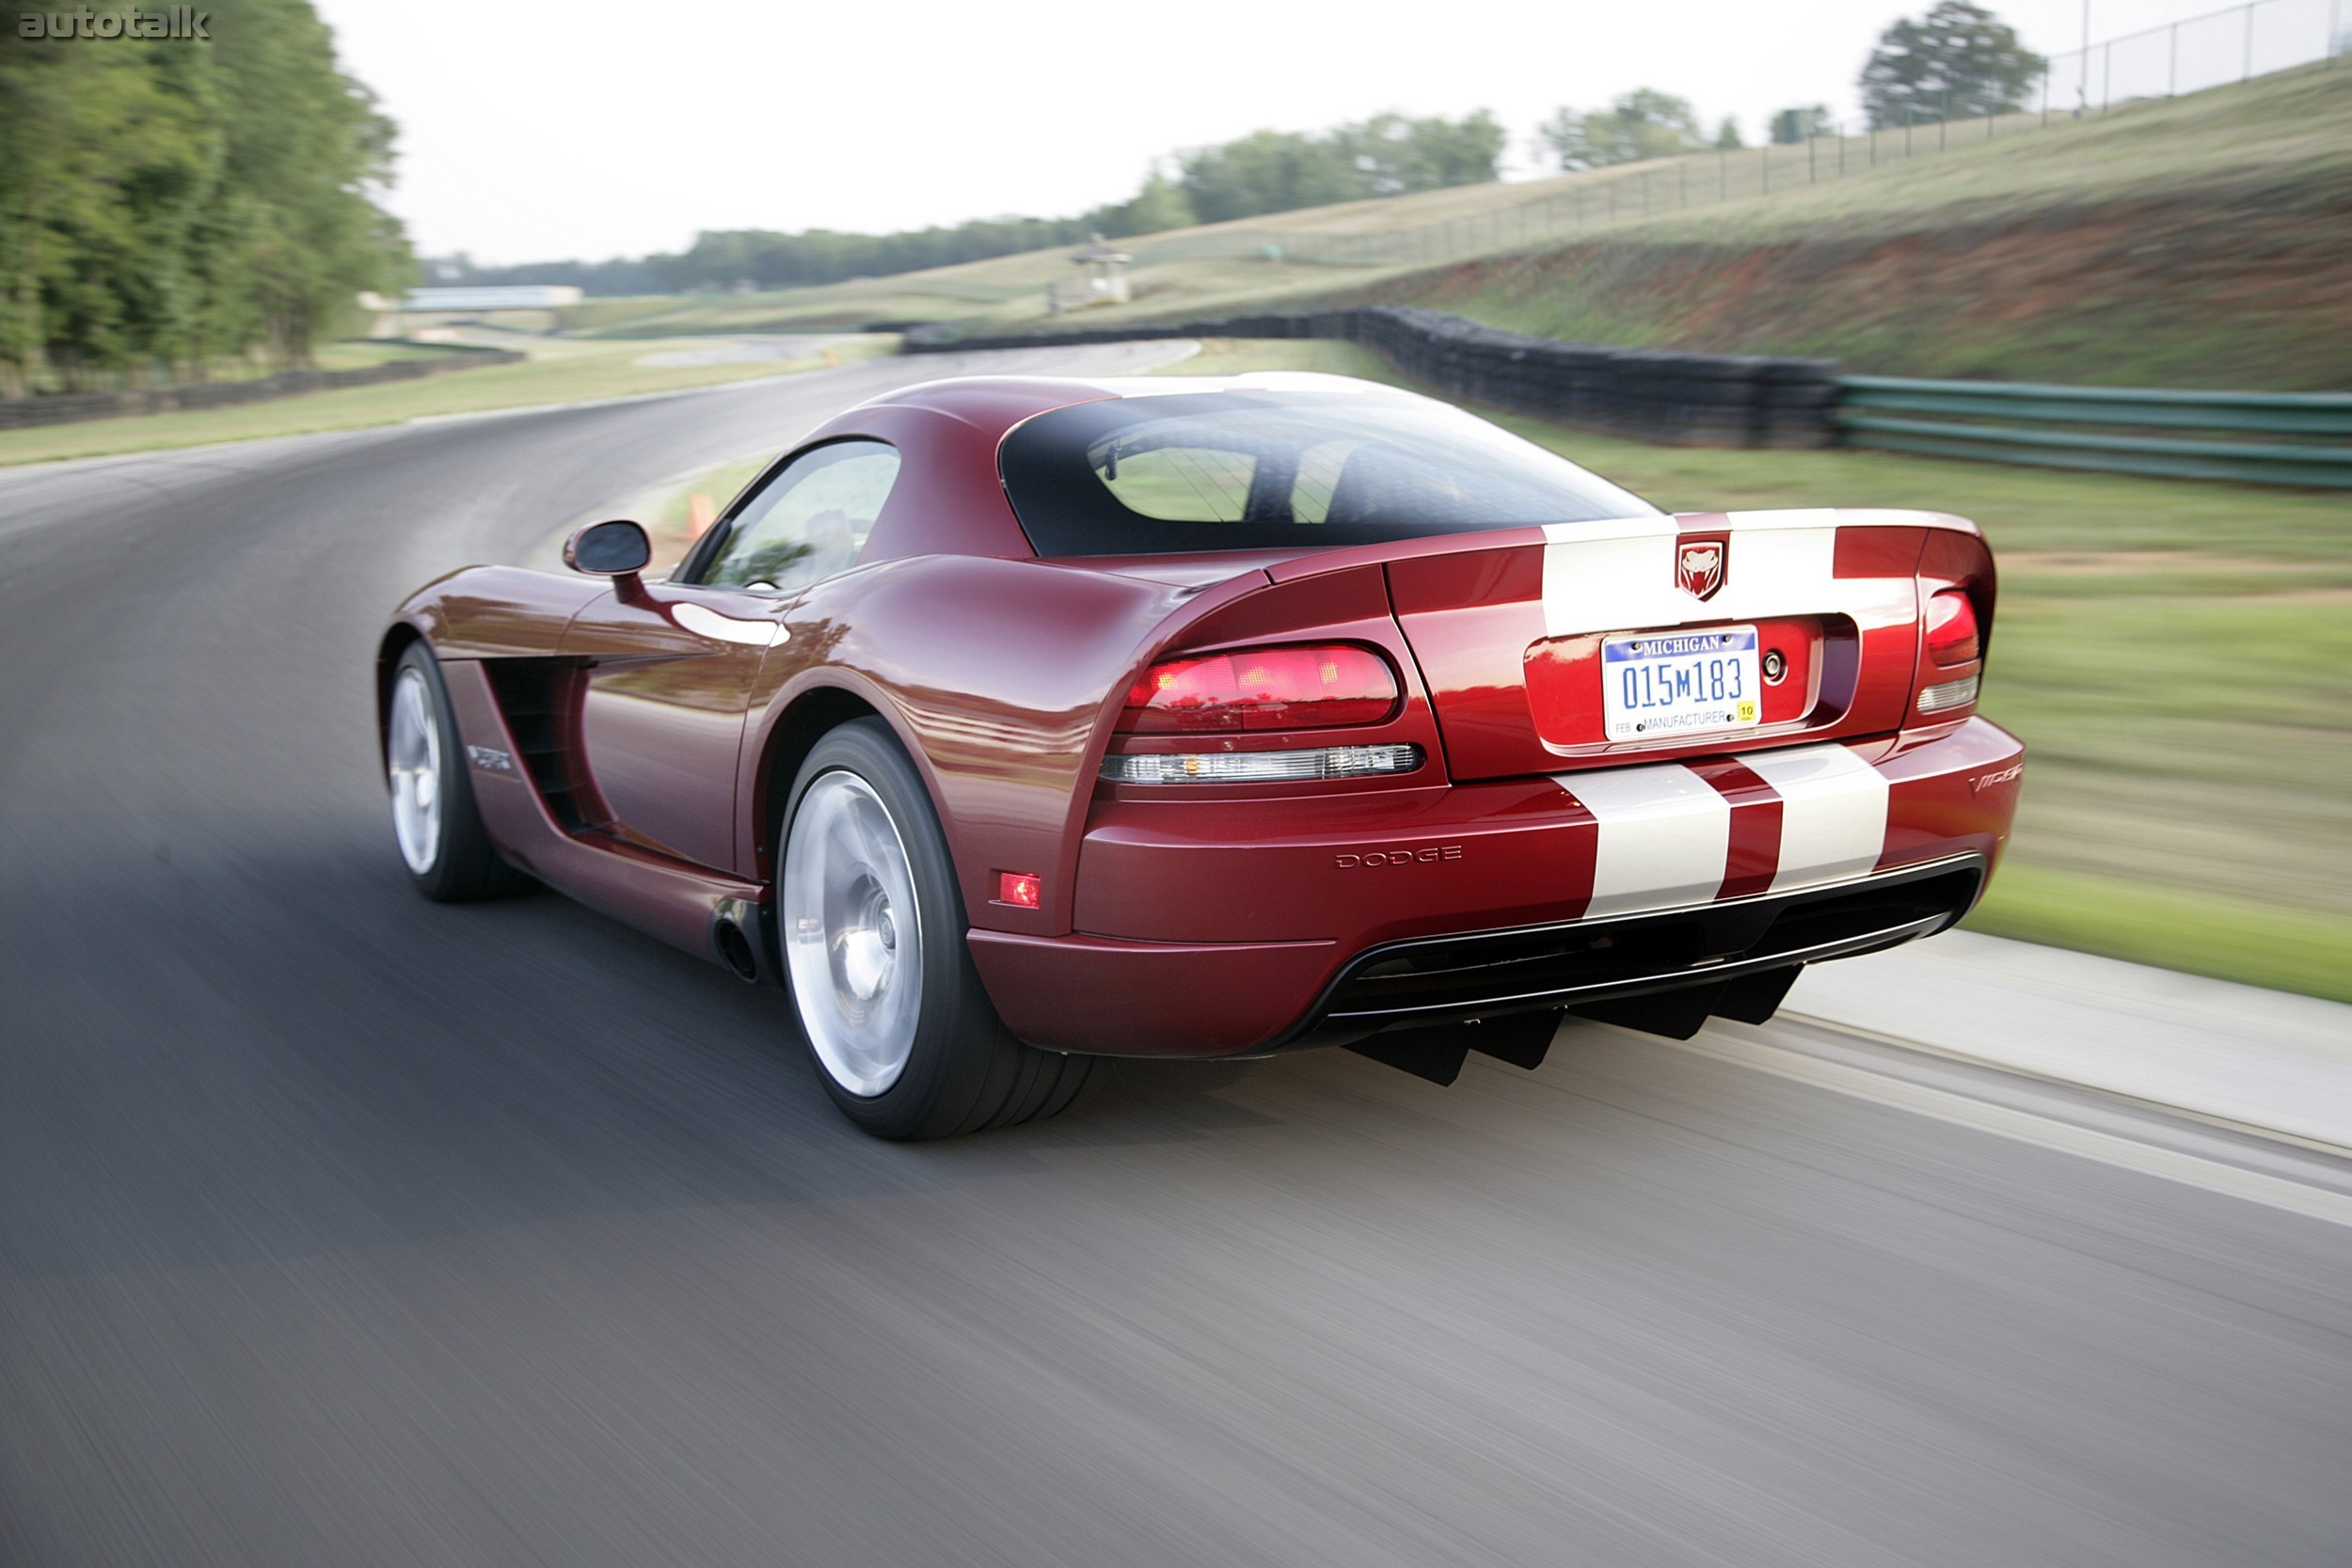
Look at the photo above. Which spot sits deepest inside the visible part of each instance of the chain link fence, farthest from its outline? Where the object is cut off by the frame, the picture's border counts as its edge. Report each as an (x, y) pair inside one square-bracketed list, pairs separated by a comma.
[(2202, 52)]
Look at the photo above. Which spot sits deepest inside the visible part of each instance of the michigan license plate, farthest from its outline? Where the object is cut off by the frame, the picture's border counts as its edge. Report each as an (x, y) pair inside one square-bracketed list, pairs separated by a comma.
[(1666, 685)]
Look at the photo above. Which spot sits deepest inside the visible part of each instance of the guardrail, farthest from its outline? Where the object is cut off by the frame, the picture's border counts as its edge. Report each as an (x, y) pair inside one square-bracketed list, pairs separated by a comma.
[(73, 408), (1874, 411)]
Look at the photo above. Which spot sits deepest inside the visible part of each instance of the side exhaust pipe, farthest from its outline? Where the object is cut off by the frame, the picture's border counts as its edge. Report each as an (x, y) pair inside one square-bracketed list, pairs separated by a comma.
[(737, 939)]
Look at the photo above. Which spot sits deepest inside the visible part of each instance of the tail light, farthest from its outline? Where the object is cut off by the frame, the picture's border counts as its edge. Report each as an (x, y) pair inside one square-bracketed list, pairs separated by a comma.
[(1262, 689), (1952, 628), (1956, 572)]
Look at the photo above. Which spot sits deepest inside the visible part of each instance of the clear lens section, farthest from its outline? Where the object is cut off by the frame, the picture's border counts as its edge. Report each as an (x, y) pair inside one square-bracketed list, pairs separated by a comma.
[(1951, 695), (1327, 761)]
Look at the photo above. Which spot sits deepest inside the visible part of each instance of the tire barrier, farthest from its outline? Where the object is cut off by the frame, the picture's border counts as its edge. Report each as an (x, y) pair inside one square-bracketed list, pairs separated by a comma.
[(1657, 395), (73, 407)]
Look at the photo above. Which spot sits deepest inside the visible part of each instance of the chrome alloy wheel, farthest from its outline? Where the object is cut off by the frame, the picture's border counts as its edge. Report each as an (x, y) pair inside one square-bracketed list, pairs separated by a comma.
[(853, 937), (413, 759)]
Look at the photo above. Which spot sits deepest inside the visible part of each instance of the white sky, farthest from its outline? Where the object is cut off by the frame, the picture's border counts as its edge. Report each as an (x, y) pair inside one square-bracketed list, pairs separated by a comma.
[(533, 130)]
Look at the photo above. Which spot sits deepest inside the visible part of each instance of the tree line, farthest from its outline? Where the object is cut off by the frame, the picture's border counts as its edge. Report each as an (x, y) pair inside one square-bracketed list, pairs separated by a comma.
[(1958, 60), (1268, 171), (167, 204)]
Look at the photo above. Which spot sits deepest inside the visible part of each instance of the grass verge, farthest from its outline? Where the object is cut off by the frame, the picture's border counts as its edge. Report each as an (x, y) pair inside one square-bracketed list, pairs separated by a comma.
[(560, 370), (2198, 933), (2172, 652)]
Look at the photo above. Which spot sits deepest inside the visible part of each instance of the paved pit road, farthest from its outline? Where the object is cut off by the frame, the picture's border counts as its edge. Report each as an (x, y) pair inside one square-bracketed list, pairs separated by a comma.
[(337, 1227)]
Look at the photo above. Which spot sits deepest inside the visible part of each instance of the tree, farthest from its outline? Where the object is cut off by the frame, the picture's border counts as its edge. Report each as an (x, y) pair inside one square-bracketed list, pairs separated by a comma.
[(1266, 171), (1161, 205), (1958, 61), (1275, 171), (1727, 135), (167, 202), (1394, 154), (1791, 126), (1644, 123)]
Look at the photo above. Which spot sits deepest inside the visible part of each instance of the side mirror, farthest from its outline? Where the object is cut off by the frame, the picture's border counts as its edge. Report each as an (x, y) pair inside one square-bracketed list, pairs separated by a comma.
[(617, 549)]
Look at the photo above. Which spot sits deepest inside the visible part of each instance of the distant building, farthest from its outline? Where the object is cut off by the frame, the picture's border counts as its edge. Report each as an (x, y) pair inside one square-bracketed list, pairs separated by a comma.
[(1105, 284), (479, 302), (507, 296)]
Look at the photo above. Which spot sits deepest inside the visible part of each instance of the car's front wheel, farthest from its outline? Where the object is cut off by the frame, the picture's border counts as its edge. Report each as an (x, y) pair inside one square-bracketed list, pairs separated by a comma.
[(873, 927), (442, 841)]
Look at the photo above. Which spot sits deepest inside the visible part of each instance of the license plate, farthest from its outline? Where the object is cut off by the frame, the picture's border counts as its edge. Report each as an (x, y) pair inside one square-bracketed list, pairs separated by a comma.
[(1664, 684)]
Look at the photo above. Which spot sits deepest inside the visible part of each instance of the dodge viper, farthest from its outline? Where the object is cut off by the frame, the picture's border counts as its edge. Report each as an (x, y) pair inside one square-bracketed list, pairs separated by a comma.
[(1010, 724)]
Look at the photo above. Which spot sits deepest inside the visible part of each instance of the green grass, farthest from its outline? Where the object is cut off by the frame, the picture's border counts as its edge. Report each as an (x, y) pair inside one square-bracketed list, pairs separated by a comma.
[(2174, 654), (2244, 940), (560, 371)]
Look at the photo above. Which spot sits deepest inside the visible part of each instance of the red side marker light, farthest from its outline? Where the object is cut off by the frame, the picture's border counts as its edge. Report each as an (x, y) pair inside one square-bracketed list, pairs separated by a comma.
[(1951, 629), (1020, 889)]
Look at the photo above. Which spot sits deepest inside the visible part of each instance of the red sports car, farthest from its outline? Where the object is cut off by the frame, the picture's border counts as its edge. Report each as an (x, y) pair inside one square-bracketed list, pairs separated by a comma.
[(1010, 724)]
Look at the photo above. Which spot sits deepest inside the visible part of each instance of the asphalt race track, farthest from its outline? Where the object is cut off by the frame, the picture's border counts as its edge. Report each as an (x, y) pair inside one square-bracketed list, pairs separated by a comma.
[(340, 1229)]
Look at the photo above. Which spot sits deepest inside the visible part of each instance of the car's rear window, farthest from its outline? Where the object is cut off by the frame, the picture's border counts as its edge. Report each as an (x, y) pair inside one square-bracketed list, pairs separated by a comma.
[(1189, 471)]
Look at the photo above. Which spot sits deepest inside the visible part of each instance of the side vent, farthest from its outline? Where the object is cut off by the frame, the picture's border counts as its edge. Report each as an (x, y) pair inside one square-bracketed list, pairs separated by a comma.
[(540, 698)]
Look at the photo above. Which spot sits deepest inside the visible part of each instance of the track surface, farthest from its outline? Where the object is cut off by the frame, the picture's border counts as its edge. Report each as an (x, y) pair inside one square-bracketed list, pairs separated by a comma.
[(336, 1227)]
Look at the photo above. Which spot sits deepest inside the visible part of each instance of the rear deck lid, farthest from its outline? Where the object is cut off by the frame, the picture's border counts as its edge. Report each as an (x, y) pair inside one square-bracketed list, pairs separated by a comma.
[(1650, 638)]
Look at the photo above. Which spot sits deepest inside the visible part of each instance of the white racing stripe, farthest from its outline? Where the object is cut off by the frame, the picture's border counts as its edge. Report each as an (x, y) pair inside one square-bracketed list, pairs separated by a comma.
[(1619, 575), (1664, 834), (1833, 812)]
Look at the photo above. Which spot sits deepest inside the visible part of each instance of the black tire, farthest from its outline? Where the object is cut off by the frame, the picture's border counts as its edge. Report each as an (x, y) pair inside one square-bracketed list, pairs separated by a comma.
[(962, 1071), (463, 864)]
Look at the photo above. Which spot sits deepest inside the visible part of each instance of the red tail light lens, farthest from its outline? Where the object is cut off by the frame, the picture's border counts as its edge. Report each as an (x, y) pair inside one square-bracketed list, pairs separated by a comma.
[(1952, 628), (1263, 688)]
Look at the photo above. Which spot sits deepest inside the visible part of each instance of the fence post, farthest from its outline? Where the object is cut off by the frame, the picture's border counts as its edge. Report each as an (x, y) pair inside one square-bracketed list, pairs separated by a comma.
[(1682, 177), (1841, 153), (1766, 188), (1812, 164), (2172, 72), (1907, 117), (2248, 68), (1944, 121), (2106, 65), (1722, 174)]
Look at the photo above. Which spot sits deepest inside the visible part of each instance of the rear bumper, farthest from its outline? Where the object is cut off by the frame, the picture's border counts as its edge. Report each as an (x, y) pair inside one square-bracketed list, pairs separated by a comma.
[(1236, 927)]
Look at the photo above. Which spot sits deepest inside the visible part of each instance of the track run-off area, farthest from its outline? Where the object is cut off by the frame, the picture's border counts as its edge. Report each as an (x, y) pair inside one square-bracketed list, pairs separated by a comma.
[(340, 1227)]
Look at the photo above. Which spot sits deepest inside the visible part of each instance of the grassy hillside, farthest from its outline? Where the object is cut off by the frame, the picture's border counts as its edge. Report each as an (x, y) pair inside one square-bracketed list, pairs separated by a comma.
[(2197, 241)]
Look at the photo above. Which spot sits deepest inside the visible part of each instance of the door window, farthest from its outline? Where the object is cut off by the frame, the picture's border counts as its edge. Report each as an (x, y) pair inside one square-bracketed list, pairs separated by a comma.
[(810, 521)]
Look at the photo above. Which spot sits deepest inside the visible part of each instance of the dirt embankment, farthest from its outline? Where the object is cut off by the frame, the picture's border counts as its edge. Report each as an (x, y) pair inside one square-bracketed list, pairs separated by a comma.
[(2249, 290)]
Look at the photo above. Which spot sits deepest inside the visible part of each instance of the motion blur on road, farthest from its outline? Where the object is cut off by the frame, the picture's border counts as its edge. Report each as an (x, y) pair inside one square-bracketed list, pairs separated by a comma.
[(336, 1227)]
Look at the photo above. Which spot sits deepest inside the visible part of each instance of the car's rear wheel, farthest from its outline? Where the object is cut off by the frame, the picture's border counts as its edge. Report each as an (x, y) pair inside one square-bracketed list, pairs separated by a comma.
[(435, 821), (873, 927)]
